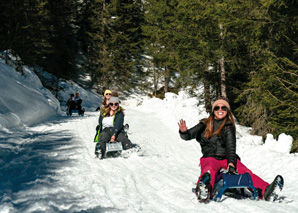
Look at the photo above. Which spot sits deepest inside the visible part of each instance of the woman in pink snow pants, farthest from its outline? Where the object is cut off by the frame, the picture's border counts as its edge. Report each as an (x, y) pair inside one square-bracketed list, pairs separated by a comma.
[(217, 137)]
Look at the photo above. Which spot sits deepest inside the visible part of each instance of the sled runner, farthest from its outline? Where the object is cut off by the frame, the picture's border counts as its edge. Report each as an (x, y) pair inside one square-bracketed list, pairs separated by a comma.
[(115, 149), (234, 185), (75, 111), (226, 181)]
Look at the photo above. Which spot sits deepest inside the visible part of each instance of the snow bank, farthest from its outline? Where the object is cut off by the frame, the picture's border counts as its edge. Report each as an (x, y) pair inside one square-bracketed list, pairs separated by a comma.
[(25, 101), (283, 144), (23, 98)]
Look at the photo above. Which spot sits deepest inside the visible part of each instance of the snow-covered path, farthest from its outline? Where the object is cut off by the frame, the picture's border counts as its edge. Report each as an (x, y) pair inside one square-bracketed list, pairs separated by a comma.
[(52, 168)]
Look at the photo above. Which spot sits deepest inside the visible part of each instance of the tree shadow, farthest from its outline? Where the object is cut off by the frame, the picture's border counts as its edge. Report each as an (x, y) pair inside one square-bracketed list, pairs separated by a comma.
[(29, 169)]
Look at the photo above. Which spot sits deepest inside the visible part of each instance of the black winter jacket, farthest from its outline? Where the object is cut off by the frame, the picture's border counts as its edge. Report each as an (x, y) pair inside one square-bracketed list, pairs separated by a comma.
[(220, 147), (118, 124)]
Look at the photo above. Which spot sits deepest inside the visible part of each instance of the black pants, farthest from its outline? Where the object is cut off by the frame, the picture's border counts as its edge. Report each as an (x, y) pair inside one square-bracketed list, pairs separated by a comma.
[(105, 137), (75, 106)]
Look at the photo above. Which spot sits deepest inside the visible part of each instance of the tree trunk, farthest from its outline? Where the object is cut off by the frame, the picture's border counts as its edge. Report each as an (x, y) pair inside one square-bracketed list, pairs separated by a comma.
[(166, 89), (207, 92), (222, 68), (56, 83), (6, 57), (154, 80), (104, 51), (223, 77)]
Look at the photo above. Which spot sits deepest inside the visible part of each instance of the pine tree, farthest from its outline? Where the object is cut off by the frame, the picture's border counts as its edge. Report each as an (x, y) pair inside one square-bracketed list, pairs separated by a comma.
[(161, 37), (34, 43), (126, 40), (114, 37), (199, 45), (8, 25), (12, 19), (272, 93), (41, 33), (60, 60)]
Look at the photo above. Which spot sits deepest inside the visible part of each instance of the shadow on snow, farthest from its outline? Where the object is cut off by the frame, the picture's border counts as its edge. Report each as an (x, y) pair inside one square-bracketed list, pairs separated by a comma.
[(29, 168)]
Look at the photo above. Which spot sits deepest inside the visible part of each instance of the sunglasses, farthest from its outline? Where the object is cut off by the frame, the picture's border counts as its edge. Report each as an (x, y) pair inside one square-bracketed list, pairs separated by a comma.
[(223, 108), (108, 94), (113, 104)]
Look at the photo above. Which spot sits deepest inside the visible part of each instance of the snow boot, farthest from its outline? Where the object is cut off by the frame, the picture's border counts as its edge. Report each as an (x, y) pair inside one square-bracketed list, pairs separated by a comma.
[(203, 188), (126, 127), (98, 153), (271, 191)]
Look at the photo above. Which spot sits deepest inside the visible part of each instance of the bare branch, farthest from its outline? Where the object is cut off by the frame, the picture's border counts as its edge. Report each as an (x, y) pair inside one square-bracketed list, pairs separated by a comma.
[(280, 80), (281, 68), (281, 101)]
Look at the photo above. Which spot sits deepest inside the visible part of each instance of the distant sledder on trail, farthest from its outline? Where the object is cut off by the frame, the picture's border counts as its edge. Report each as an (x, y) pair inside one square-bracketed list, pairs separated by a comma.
[(217, 137), (74, 104), (111, 134)]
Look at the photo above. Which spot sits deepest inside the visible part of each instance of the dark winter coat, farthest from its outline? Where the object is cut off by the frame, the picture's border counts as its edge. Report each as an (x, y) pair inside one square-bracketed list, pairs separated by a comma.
[(220, 147), (118, 121), (70, 102)]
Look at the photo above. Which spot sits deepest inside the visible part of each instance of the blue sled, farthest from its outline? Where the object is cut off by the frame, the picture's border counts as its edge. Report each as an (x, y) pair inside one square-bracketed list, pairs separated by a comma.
[(226, 181)]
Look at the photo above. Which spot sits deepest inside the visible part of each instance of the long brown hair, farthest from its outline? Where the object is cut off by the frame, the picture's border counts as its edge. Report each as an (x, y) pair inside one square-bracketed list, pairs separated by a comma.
[(210, 120), (106, 111), (104, 102)]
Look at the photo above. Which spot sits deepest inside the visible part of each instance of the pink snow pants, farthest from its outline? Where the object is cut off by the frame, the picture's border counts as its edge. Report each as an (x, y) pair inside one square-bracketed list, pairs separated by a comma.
[(213, 165)]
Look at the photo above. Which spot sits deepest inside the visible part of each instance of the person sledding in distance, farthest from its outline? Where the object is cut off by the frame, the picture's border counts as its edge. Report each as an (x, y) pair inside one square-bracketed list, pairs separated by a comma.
[(217, 137), (107, 95), (78, 104), (70, 104), (110, 128), (75, 103)]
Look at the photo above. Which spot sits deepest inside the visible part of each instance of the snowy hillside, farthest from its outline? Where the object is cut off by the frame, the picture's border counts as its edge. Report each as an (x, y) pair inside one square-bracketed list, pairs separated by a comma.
[(23, 98), (25, 101), (51, 167), (90, 100)]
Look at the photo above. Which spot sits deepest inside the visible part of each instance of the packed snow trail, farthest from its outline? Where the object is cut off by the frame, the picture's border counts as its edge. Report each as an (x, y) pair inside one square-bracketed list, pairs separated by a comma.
[(52, 168)]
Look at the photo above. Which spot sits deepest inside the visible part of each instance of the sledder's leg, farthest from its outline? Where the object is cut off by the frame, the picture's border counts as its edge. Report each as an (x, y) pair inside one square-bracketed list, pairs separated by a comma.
[(103, 138), (211, 165), (126, 143), (97, 150), (209, 169), (203, 189), (257, 181)]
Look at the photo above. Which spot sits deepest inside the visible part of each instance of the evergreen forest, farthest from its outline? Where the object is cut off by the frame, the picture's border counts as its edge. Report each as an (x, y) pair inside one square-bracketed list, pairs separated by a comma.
[(246, 50)]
